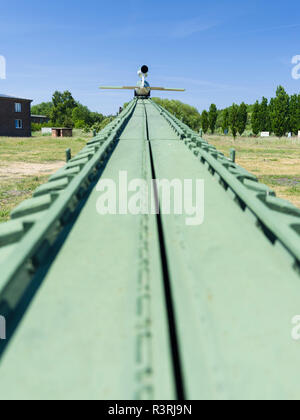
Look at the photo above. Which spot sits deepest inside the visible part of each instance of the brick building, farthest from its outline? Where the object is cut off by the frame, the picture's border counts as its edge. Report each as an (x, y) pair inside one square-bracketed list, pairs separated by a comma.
[(15, 118)]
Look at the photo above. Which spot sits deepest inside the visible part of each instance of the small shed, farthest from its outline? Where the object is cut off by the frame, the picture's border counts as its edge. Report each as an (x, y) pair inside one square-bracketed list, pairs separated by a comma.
[(62, 132)]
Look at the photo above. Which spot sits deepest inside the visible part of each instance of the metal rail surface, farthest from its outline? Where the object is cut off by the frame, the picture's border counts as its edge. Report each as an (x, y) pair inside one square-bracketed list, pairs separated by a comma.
[(144, 306)]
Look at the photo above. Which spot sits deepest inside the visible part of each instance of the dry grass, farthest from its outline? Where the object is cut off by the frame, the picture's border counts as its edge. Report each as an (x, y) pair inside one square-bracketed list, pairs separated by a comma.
[(25, 163), (276, 162)]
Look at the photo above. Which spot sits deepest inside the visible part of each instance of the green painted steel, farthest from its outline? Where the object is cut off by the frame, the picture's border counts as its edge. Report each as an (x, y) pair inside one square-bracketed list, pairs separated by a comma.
[(25, 252), (143, 306), (239, 311)]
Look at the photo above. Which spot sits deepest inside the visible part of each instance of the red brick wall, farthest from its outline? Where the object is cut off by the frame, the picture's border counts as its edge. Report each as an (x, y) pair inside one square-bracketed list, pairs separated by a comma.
[(8, 117)]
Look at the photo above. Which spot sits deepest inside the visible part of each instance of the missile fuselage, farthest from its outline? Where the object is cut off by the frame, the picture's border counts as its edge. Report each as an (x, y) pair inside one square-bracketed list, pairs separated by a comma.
[(143, 89)]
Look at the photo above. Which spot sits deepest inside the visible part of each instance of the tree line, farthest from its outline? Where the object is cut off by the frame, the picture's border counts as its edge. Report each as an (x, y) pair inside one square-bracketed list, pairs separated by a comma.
[(65, 111), (279, 116)]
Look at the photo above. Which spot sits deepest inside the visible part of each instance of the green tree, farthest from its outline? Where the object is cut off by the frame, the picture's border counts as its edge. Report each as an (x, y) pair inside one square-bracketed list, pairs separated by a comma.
[(204, 121), (63, 105), (225, 120), (264, 116), (81, 116), (280, 112), (212, 117), (95, 117), (186, 113), (255, 121), (80, 124), (294, 114), (242, 118), (65, 111), (233, 119), (43, 108)]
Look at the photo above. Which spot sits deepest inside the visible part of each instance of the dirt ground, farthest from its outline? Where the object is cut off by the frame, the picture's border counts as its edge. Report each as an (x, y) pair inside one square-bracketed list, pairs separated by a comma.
[(26, 163), (16, 169)]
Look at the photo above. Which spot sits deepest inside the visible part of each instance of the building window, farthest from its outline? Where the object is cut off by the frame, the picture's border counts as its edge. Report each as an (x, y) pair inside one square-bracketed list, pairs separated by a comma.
[(18, 107), (19, 124)]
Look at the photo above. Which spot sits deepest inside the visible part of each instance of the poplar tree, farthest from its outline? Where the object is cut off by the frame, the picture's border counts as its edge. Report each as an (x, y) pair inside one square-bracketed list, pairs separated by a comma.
[(255, 121), (233, 119), (212, 117), (294, 114), (242, 118), (264, 117), (204, 121), (280, 112), (271, 109), (225, 120)]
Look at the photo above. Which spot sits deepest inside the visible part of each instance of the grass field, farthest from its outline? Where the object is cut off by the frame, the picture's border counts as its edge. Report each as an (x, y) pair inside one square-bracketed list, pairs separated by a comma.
[(275, 162), (27, 163)]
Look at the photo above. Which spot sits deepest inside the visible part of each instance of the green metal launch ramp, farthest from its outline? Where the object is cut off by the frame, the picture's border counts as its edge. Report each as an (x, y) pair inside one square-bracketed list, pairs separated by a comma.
[(145, 306)]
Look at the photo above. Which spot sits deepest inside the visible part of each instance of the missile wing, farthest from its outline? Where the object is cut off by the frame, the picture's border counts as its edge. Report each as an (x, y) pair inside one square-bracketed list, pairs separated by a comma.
[(167, 89), (118, 87), (142, 89)]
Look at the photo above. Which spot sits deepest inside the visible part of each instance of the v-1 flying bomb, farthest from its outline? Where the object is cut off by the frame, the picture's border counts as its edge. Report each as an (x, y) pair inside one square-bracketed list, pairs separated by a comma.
[(143, 88)]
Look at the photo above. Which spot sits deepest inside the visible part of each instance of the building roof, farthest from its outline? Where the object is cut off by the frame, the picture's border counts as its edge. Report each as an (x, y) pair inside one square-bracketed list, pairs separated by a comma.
[(62, 128), (14, 97)]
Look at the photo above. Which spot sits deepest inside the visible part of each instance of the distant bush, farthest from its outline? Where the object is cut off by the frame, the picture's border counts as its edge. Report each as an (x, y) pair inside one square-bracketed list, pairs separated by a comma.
[(186, 113), (99, 126), (38, 127), (80, 124)]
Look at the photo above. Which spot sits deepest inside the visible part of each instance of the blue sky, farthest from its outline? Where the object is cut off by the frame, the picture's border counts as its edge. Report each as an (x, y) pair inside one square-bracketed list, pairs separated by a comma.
[(221, 51)]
